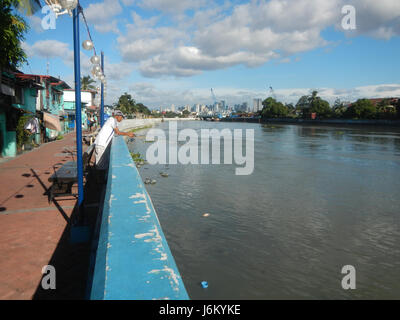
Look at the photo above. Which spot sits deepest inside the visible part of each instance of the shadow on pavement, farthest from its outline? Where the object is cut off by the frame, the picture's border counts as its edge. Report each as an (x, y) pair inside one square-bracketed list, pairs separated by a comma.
[(72, 260)]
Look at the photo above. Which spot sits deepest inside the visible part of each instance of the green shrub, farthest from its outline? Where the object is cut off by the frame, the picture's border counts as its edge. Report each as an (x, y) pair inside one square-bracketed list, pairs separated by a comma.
[(22, 134)]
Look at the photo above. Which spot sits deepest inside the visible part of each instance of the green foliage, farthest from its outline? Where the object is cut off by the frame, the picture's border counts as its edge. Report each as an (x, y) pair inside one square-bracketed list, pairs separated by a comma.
[(22, 134), (398, 108), (362, 109), (318, 105), (136, 157), (303, 103), (386, 112), (185, 114), (87, 83), (274, 109), (141, 128), (60, 137), (387, 109), (314, 104), (12, 32), (143, 109), (129, 106)]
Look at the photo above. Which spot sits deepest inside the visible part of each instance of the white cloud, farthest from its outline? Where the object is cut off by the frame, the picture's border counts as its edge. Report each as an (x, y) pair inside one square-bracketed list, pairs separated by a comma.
[(107, 27), (220, 36), (171, 6), (47, 49), (51, 49), (101, 15), (379, 19), (128, 2), (35, 23)]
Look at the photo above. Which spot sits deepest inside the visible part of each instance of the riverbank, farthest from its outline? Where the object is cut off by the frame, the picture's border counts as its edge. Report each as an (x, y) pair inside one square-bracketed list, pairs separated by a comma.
[(390, 123)]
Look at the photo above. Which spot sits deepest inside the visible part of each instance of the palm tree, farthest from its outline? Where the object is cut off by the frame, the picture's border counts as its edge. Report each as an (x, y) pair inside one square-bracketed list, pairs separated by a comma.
[(28, 7), (86, 83)]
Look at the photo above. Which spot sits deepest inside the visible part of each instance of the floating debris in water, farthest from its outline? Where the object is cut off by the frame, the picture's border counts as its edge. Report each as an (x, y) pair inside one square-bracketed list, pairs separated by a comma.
[(204, 284), (147, 181), (153, 181), (206, 215), (164, 174)]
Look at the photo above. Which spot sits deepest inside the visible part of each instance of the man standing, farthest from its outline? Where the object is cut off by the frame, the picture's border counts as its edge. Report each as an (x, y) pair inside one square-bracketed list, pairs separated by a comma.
[(104, 138)]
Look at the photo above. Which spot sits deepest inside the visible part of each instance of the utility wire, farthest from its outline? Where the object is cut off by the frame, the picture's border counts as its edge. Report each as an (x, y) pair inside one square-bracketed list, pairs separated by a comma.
[(87, 27)]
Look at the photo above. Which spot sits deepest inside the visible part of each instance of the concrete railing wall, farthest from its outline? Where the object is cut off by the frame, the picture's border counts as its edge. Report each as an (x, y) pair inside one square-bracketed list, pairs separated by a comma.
[(133, 260), (128, 124)]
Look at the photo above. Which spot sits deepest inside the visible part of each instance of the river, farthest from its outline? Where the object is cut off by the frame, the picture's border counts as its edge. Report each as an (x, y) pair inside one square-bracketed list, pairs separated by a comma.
[(319, 198)]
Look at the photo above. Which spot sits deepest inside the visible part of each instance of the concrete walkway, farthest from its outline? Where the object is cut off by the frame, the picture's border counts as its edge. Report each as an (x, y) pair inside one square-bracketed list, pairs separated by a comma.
[(33, 232)]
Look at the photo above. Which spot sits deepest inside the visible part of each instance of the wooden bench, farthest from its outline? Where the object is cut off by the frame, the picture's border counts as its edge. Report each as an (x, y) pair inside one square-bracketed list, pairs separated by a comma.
[(66, 176), (90, 137)]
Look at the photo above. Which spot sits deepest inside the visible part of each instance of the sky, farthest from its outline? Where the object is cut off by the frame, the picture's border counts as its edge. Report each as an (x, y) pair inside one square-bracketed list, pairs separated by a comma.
[(167, 52)]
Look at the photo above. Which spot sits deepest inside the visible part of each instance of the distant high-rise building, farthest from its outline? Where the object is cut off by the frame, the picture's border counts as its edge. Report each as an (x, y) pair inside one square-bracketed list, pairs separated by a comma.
[(173, 108), (257, 105)]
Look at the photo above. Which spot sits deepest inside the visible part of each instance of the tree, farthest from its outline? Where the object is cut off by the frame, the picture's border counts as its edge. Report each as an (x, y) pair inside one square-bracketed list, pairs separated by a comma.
[(338, 109), (86, 83), (313, 104), (362, 109), (129, 106), (274, 109), (126, 104), (303, 103), (320, 107), (12, 29)]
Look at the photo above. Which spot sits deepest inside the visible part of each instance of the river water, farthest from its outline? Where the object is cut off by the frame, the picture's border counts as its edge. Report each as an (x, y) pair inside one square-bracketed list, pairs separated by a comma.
[(319, 198)]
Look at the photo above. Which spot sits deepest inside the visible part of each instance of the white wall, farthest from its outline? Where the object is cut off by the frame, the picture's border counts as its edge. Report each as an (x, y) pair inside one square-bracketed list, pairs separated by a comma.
[(86, 97)]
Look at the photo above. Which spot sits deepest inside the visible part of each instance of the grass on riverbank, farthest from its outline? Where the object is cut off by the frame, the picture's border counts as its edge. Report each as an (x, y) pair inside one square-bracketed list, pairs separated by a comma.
[(141, 128), (137, 158)]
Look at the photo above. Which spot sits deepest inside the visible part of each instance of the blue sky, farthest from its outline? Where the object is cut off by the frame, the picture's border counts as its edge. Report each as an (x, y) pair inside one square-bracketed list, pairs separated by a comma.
[(167, 52)]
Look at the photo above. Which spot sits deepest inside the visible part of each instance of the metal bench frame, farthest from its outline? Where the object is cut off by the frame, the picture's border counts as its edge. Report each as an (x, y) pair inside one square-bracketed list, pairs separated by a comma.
[(64, 177)]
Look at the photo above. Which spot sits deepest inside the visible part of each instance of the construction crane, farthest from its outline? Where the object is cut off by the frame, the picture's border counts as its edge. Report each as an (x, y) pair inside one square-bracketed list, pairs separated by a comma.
[(214, 98), (272, 92)]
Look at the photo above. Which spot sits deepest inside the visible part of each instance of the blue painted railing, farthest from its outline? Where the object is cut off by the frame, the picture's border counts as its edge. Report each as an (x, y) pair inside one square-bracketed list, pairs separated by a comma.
[(133, 260)]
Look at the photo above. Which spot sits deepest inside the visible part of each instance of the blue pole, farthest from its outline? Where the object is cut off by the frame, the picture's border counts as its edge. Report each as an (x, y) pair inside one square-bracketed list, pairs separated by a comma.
[(102, 92), (78, 107)]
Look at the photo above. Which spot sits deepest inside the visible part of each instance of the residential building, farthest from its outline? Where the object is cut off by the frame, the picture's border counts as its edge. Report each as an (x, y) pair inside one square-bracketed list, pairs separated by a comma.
[(89, 106), (32, 96)]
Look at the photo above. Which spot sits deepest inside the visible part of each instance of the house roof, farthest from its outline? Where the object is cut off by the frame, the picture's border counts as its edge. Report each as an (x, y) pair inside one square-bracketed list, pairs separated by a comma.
[(92, 91), (38, 77)]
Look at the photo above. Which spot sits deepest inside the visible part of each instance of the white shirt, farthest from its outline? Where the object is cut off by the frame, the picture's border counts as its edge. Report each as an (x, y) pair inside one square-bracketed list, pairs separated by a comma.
[(106, 133)]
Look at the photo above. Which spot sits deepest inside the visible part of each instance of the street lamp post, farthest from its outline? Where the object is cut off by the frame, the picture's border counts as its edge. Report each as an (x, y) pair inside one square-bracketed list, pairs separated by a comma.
[(102, 92), (78, 109)]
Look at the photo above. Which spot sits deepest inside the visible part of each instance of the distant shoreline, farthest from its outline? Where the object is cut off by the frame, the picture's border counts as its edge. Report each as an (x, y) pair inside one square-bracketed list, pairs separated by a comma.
[(387, 123)]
